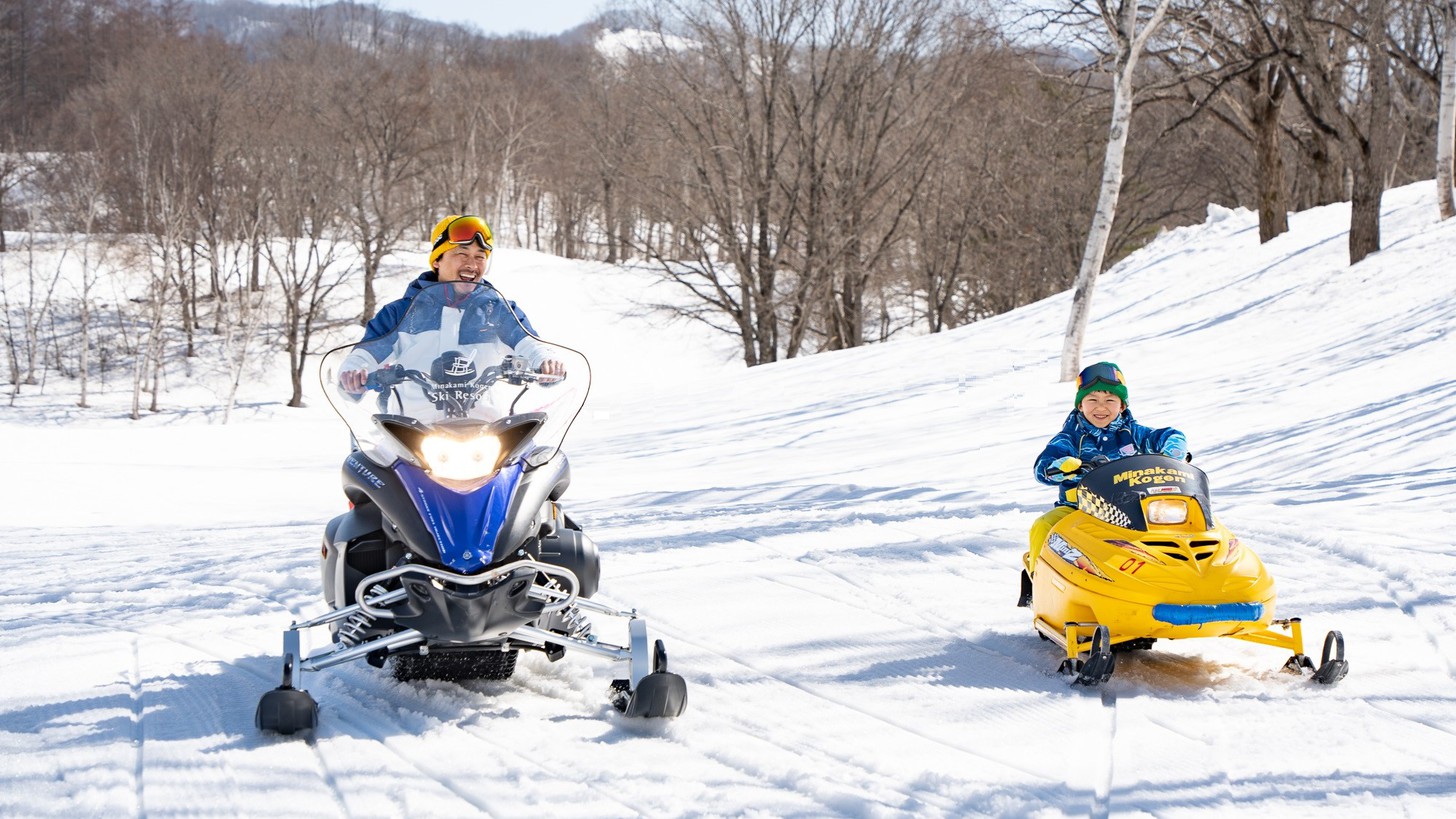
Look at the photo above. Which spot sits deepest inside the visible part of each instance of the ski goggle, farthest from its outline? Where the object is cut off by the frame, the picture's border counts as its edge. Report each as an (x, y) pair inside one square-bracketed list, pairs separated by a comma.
[(1102, 371), (463, 230)]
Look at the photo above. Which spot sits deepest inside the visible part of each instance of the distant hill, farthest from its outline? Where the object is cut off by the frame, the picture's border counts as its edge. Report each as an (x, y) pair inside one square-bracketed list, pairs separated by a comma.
[(253, 24)]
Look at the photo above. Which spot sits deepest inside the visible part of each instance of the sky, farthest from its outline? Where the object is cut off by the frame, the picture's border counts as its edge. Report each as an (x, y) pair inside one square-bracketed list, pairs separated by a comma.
[(828, 546), (501, 17)]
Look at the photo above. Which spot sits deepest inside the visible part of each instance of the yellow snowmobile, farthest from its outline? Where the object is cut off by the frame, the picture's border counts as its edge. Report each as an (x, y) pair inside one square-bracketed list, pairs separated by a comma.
[(1141, 559)]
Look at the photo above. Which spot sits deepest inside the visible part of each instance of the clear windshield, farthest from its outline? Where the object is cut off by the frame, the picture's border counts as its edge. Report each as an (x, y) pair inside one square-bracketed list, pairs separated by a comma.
[(460, 358)]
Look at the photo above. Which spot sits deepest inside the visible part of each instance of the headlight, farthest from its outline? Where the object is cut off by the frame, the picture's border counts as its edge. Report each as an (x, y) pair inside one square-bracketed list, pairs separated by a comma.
[(456, 459), (1168, 511)]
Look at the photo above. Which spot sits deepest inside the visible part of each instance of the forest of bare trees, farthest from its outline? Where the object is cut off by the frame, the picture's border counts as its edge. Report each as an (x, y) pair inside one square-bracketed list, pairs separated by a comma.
[(809, 174)]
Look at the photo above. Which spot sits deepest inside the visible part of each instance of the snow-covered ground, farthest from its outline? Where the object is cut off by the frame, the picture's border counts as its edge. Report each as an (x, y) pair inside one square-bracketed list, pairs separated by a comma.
[(829, 547)]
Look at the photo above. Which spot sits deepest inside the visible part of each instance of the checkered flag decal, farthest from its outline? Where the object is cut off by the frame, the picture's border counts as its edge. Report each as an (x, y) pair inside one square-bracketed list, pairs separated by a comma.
[(1102, 510)]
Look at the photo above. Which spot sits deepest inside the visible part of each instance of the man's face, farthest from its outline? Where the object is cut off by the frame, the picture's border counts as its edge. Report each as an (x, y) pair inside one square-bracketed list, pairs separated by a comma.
[(463, 263), (1101, 408)]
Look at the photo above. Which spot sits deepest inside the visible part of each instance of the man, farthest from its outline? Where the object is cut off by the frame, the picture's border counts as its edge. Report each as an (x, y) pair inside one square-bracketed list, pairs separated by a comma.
[(460, 252)]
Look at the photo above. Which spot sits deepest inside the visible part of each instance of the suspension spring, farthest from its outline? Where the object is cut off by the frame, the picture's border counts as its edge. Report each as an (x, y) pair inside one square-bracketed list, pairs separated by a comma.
[(351, 632)]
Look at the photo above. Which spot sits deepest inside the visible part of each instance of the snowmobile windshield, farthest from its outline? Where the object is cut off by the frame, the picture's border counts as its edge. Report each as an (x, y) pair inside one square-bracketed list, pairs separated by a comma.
[(460, 367), (1114, 491)]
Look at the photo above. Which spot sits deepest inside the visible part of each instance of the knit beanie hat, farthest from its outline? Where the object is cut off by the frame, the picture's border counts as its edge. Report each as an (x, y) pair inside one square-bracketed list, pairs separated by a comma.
[(1104, 376)]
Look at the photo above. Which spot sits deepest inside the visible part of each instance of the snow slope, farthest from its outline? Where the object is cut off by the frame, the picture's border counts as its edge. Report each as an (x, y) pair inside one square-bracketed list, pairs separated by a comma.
[(830, 548)]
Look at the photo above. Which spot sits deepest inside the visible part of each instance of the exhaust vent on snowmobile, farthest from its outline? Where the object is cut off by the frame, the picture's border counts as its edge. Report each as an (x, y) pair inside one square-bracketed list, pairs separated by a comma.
[(1194, 550), (1168, 548)]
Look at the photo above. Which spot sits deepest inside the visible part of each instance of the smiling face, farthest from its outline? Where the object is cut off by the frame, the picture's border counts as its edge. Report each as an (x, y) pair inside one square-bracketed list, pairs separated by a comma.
[(1100, 408), (463, 263)]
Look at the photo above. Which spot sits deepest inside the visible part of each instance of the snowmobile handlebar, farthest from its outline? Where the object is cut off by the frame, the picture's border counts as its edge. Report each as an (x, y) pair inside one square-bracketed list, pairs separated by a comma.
[(1083, 468), (512, 371), (1078, 471), (457, 396)]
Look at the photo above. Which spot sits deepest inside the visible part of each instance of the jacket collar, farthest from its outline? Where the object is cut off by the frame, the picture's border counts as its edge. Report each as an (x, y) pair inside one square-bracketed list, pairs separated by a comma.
[(1078, 423)]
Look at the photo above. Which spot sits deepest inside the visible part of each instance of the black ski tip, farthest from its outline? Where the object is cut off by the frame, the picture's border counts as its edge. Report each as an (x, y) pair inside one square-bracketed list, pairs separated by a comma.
[(1331, 672), (659, 694), (286, 711), (1333, 667)]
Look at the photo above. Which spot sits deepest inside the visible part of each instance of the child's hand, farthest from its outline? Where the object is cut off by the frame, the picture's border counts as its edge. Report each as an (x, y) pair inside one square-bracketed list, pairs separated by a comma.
[(1064, 469), (1176, 446)]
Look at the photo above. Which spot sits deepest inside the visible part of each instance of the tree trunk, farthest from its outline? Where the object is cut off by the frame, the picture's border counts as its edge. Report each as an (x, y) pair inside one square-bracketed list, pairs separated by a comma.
[(371, 269), (1365, 195), (1130, 42), (1372, 156), (1096, 250), (609, 216), (1446, 120), (1264, 115), (84, 367), (295, 356)]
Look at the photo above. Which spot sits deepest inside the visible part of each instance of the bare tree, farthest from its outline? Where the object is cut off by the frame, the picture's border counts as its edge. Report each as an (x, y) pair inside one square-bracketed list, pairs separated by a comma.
[(867, 109), (461, 174), (715, 91), (34, 307), (51, 48), (605, 97), (991, 228), (379, 110), (306, 213), (247, 313), (73, 184), (1340, 51), (15, 168), (1127, 26), (1233, 73), (20, 342), (1446, 119), (794, 135)]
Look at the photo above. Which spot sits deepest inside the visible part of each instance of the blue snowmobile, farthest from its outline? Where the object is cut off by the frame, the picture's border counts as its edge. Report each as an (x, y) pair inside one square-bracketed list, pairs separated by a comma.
[(455, 554)]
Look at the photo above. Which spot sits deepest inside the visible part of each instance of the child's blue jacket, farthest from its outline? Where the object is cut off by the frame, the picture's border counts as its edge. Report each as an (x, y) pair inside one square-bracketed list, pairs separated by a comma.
[(1123, 437)]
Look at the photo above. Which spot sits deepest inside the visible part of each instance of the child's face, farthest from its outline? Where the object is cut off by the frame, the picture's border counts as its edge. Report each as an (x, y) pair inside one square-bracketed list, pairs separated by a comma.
[(1100, 408)]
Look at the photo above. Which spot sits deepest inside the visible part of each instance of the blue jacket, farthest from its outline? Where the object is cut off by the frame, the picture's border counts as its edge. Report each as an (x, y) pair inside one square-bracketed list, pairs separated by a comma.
[(390, 315), (1123, 437)]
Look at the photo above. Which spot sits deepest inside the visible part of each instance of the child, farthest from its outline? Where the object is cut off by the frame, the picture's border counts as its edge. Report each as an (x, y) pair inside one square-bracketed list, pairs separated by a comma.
[(1100, 428)]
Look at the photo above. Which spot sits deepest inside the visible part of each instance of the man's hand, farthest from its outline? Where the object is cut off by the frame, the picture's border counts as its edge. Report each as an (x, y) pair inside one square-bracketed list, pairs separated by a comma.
[(353, 381), (553, 367)]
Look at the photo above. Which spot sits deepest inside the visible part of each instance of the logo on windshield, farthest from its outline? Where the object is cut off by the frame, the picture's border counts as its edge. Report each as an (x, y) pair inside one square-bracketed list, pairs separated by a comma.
[(461, 366)]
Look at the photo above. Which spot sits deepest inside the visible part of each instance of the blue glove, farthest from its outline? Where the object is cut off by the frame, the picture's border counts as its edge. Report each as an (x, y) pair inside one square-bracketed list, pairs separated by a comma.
[(1176, 446), (1064, 469)]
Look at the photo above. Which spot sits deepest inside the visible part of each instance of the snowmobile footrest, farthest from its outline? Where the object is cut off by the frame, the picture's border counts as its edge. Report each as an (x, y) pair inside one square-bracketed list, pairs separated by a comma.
[(1298, 664)]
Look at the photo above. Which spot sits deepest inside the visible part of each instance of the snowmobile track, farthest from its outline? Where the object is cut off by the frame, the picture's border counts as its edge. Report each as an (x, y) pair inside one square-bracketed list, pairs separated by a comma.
[(877, 717), (138, 716), (1400, 589), (866, 775)]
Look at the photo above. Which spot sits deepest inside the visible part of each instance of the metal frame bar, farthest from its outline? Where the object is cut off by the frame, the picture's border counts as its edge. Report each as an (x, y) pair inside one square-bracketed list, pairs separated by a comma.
[(369, 607), (637, 653)]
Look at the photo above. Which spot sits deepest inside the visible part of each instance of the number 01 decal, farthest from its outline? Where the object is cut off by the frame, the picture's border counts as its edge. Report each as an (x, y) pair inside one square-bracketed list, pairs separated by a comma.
[(1131, 565)]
